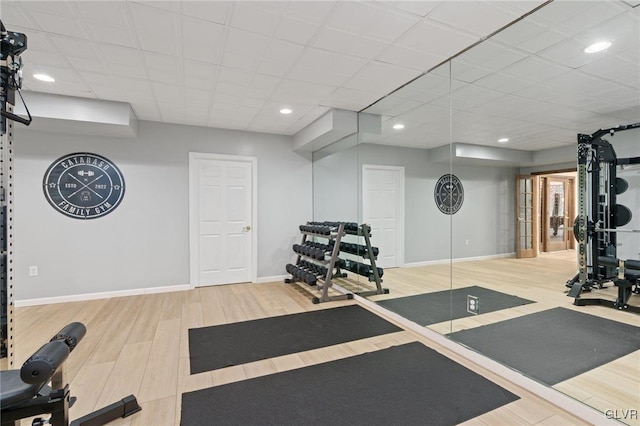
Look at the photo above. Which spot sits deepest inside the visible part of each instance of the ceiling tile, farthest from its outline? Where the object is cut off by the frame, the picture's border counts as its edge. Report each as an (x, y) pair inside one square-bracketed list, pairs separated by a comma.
[(170, 6), (569, 53), (56, 24), (163, 68), (409, 58), (614, 69), (323, 67), (466, 17), (491, 56), (73, 47), (214, 11), (534, 70), (111, 13), (418, 8), (82, 64), (587, 18), (380, 78), (502, 82), (300, 92), (152, 20), (295, 30), (314, 12), (13, 16), (347, 43), (153, 43), (356, 18), (279, 57), (435, 38), (393, 106), (350, 99), (250, 16), (39, 41), (111, 35), (37, 57)]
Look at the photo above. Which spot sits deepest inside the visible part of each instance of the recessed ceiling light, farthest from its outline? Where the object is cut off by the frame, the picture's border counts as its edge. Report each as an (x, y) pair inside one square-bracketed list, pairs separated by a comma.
[(503, 140), (286, 111), (597, 47), (398, 126), (44, 77)]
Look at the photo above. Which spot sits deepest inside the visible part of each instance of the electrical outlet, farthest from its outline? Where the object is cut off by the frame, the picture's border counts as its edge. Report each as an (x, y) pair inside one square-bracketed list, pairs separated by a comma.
[(33, 271), (466, 242), (473, 304)]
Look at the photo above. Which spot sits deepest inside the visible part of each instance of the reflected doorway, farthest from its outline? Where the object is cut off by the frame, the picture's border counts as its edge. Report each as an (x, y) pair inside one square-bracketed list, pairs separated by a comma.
[(557, 210)]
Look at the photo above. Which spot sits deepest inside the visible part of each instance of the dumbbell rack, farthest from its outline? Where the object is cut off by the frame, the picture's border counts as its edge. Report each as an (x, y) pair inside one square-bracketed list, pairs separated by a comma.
[(322, 282), (367, 252)]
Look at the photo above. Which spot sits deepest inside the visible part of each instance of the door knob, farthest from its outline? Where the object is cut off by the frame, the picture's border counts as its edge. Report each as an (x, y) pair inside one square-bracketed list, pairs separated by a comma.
[(246, 228)]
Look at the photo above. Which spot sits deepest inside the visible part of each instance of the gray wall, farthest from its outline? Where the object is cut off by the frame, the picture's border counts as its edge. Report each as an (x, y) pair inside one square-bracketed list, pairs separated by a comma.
[(486, 218), (145, 241)]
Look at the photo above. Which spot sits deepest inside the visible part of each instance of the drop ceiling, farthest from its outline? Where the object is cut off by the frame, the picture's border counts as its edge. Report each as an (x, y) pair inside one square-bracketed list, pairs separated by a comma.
[(236, 64)]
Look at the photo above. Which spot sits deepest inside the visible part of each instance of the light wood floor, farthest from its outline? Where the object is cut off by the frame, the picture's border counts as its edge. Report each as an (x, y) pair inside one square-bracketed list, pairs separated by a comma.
[(138, 345), (615, 385)]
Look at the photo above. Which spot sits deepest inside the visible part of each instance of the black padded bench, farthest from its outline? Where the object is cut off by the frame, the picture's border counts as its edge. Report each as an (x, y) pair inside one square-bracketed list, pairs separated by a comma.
[(26, 392)]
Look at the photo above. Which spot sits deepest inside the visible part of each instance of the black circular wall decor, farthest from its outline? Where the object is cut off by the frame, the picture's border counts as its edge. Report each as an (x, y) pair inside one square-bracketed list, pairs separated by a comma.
[(83, 185), (449, 194)]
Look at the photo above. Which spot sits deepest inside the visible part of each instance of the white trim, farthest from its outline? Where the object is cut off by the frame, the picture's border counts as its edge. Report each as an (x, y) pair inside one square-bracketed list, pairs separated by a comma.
[(400, 204), (461, 259), (102, 295), (547, 393), (193, 247), (272, 279)]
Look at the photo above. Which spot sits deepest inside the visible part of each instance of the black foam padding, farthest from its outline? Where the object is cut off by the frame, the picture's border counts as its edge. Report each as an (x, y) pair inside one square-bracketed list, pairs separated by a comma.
[(221, 346), (71, 334), (402, 385), (432, 308), (39, 368), (553, 345)]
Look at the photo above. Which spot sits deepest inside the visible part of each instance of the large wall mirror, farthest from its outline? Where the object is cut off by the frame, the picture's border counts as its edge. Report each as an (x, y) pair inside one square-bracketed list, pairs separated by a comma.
[(471, 189)]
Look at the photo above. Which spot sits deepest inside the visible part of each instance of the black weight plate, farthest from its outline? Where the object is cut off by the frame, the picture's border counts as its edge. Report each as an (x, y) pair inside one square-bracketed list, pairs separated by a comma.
[(621, 185), (623, 215)]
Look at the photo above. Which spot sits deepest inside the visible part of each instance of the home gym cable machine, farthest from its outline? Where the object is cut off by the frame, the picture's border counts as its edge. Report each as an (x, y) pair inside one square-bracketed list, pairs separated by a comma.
[(598, 222), (38, 387)]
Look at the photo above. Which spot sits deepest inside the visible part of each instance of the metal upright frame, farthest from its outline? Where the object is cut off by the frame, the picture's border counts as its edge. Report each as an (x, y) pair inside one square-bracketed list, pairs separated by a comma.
[(595, 227), (12, 45)]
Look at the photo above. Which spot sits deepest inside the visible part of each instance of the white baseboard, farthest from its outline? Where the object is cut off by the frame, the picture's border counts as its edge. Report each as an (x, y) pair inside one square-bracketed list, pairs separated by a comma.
[(461, 259), (102, 295)]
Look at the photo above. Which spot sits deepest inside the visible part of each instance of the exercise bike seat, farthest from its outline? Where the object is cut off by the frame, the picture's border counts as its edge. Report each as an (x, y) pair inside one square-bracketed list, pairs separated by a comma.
[(13, 390)]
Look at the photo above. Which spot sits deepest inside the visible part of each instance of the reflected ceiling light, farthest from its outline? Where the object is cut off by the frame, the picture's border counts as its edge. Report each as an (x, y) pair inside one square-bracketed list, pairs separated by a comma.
[(398, 126), (286, 111), (503, 140), (44, 77), (597, 47)]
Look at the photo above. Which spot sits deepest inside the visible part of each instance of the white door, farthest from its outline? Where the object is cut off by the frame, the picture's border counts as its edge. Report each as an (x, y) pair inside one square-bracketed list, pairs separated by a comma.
[(383, 210), (222, 228)]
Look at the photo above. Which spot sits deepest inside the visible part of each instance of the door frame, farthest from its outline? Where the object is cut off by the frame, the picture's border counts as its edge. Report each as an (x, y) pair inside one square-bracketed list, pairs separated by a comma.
[(400, 208), (569, 213), (533, 251), (193, 219)]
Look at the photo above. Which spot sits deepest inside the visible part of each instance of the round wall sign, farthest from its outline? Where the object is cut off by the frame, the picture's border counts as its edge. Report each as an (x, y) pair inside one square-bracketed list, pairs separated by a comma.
[(83, 185), (449, 194)]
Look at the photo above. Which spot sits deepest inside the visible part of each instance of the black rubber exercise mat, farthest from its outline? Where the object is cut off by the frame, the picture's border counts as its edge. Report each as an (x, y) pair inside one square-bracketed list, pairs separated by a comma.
[(432, 308), (403, 385), (220, 346), (553, 345)]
